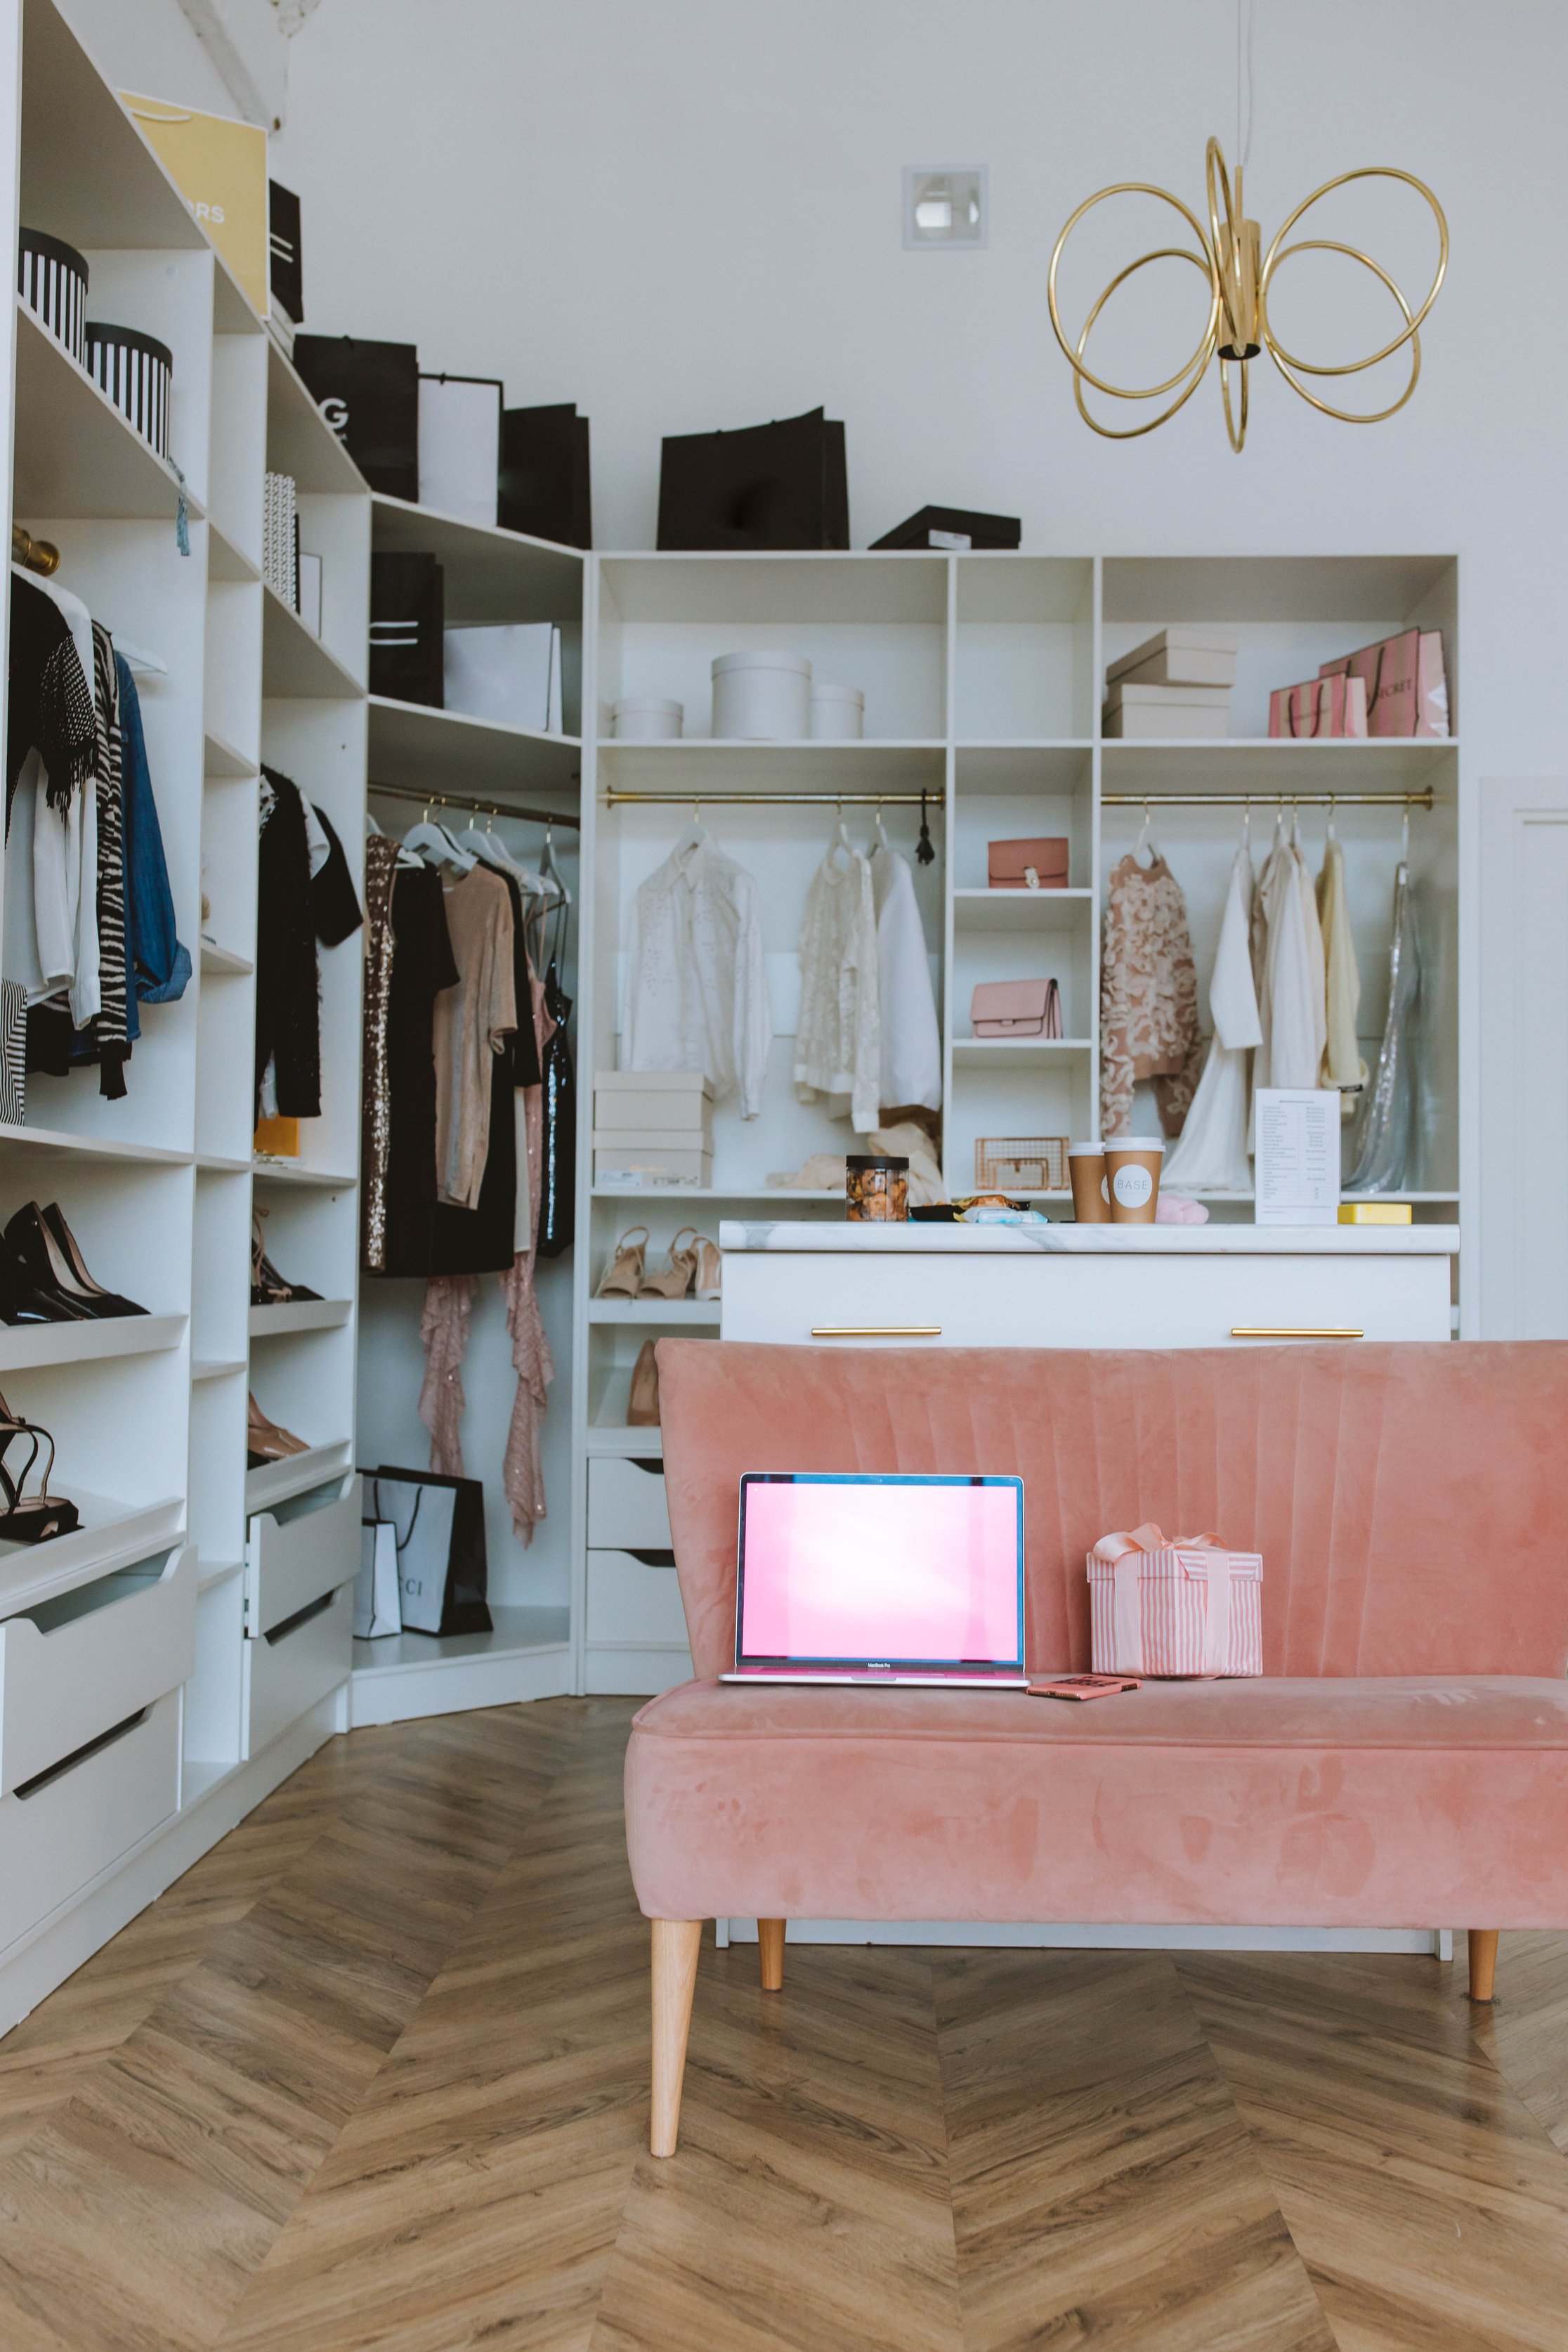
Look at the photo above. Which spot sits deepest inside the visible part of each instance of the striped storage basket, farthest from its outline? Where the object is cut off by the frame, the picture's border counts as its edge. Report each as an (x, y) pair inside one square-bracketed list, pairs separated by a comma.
[(136, 370), (51, 278)]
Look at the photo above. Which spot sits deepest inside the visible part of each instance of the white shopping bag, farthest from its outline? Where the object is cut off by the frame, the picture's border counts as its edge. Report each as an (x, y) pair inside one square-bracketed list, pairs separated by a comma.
[(505, 674), (376, 1606), (460, 445), (421, 1517)]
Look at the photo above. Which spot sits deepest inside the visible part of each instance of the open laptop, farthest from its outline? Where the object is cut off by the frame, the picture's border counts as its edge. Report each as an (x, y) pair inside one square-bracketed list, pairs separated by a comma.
[(859, 1578)]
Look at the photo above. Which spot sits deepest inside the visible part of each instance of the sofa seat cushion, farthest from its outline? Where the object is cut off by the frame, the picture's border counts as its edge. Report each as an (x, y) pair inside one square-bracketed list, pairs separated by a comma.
[(1393, 1802)]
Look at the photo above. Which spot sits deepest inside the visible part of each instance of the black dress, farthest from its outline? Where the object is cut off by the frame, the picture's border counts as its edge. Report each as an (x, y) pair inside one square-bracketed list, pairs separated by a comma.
[(422, 965)]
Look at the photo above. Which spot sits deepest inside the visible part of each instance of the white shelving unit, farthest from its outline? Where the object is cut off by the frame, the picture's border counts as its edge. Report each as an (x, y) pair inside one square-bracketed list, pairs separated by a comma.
[(983, 682), (149, 1412)]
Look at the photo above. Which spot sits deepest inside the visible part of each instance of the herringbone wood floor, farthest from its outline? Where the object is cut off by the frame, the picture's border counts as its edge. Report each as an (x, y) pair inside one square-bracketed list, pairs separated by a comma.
[(375, 2075)]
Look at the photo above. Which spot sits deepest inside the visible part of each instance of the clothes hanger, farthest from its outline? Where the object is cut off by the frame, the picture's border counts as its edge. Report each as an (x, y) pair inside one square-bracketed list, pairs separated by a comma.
[(695, 831), (840, 839), (881, 841), (436, 841), (1146, 840)]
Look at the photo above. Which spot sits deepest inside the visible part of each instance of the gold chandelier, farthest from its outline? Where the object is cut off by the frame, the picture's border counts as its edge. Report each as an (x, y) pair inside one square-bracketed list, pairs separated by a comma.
[(1240, 275)]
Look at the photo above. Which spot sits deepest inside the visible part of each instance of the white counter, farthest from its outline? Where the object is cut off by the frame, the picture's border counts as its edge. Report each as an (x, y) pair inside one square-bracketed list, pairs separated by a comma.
[(1212, 1240)]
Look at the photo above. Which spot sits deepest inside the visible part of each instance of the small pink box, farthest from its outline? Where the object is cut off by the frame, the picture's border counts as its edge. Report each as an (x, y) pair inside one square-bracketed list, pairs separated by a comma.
[(1159, 1605)]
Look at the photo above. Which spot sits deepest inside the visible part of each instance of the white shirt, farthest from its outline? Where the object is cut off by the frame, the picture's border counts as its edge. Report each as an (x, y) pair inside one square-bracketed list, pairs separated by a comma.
[(1210, 1154), (695, 992), (838, 1033), (911, 1037)]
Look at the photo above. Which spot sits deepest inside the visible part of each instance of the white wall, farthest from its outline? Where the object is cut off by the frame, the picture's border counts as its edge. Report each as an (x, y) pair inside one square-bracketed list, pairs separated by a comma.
[(151, 46)]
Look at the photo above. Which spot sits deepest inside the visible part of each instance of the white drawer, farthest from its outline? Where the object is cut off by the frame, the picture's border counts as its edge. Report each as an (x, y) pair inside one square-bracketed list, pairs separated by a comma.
[(303, 1549), (79, 1663), (635, 1596), (1190, 1301), (287, 1670), (58, 1832), (626, 1506)]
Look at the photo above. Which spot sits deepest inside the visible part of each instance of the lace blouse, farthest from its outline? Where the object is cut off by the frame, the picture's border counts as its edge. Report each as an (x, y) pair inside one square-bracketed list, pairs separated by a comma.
[(838, 1034), (695, 992)]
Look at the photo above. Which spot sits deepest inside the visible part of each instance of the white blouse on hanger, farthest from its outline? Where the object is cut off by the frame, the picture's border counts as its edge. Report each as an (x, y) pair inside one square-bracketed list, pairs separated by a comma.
[(1210, 1154), (1291, 993), (911, 1037), (696, 995), (838, 1033)]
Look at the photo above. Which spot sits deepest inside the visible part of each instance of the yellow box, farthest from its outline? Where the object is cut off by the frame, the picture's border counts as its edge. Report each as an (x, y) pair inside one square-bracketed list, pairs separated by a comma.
[(278, 1135), (220, 168), (1375, 1213)]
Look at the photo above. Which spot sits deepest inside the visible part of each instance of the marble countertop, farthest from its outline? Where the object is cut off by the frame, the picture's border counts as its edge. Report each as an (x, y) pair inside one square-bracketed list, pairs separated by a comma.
[(1213, 1240)]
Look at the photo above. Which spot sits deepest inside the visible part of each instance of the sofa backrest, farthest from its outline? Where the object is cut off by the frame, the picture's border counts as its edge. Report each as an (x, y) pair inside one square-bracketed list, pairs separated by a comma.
[(1409, 1501)]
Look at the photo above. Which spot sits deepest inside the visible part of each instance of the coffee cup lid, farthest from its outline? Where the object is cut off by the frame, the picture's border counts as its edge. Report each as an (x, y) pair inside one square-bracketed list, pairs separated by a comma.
[(1079, 1151), (1136, 1143)]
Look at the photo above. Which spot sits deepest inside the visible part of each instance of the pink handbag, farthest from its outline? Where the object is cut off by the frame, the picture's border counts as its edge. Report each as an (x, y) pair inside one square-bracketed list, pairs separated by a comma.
[(1037, 864), (1181, 1606), (1016, 1008)]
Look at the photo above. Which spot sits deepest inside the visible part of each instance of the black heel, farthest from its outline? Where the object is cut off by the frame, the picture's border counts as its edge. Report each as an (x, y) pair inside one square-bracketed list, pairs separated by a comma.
[(31, 1519), (47, 1248), (24, 1299)]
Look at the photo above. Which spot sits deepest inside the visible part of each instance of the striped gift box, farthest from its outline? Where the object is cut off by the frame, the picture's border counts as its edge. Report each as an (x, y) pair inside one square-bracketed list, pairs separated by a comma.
[(1183, 1606), (136, 370), (51, 278)]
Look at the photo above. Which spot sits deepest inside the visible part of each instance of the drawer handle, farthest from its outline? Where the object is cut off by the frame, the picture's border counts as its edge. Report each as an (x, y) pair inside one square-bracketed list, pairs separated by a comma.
[(651, 1559), (876, 1330), (1295, 1331), (26, 1788)]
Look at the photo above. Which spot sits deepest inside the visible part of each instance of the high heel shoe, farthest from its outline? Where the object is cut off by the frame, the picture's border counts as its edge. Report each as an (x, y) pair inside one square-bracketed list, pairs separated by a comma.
[(623, 1275), (47, 1248), (267, 1287), (710, 1266), (674, 1281), (31, 1519), (265, 1441), (24, 1299)]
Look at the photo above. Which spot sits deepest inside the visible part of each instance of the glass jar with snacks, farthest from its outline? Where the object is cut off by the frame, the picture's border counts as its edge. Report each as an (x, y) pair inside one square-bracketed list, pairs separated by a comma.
[(876, 1189)]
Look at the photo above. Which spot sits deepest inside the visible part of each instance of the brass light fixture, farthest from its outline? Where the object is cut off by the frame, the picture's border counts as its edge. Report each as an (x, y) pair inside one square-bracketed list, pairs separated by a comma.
[(1240, 275)]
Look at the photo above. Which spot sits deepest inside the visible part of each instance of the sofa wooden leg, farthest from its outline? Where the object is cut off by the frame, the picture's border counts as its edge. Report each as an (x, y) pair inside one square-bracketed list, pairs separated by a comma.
[(770, 1950), (1484, 1962), (676, 1943)]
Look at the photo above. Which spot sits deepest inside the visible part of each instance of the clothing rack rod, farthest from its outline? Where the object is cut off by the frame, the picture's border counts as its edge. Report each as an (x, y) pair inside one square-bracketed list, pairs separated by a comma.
[(464, 800), (931, 796), (1266, 800)]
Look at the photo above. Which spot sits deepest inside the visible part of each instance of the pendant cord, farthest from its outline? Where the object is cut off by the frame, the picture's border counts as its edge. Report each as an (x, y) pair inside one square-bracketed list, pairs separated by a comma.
[(1243, 83)]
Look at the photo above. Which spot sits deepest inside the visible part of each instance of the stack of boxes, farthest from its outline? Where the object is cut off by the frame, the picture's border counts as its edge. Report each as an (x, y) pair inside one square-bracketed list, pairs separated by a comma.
[(1176, 684), (653, 1127)]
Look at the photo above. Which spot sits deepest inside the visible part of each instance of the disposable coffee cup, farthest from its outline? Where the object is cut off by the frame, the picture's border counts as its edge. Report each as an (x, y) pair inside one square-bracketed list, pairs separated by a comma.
[(1132, 1176), (1086, 1173)]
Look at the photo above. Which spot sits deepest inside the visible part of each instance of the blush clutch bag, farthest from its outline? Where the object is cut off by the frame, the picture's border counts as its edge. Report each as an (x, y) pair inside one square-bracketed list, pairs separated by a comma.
[(1016, 1008), (1037, 864)]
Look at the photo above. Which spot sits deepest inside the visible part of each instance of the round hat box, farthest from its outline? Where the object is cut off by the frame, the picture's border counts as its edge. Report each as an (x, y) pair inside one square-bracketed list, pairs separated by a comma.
[(762, 698), (136, 370), (51, 278), (838, 713), (645, 719)]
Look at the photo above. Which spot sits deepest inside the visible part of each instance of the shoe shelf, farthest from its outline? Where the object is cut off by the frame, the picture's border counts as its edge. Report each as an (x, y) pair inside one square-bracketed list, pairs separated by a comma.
[(526, 1655), (24, 1345), (300, 1315), (279, 1482), (112, 1534), (663, 1313)]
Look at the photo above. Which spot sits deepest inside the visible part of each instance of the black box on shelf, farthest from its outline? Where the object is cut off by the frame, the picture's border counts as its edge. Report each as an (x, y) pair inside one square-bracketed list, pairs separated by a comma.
[(369, 394), (768, 485), (286, 266), (545, 487), (949, 527), (408, 614)]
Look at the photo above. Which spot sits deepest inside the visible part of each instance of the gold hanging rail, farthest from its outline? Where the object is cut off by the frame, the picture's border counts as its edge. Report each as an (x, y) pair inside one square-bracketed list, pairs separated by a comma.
[(1267, 799), (37, 554), (424, 799), (933, 796)]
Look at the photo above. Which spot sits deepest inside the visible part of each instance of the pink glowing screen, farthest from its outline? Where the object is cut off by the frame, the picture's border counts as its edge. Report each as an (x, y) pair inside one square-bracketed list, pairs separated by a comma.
[(888, 1569)]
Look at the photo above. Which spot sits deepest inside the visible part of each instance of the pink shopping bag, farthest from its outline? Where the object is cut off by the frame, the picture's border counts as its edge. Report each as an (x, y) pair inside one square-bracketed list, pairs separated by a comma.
[(1186, 1606)]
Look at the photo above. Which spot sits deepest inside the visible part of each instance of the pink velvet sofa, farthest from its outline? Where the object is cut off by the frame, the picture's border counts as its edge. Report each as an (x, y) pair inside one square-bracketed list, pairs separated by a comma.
[(1402, 1762)]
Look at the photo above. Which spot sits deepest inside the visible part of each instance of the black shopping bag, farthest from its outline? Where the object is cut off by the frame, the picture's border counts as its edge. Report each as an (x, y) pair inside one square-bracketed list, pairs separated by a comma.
[(774, 486), (544, 486), (408, 632), (453, 1510), (369, 394)]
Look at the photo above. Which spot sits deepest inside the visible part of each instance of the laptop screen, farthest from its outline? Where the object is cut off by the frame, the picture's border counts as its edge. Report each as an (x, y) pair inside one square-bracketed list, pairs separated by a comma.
[(890, 1571)]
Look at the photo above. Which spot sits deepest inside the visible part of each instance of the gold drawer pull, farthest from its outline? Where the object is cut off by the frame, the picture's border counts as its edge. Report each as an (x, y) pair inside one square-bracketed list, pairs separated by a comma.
[(1295, 1331), (876, 1330)]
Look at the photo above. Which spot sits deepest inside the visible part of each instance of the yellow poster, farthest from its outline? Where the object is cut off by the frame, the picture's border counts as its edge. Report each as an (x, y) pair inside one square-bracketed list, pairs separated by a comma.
[(220, 168)]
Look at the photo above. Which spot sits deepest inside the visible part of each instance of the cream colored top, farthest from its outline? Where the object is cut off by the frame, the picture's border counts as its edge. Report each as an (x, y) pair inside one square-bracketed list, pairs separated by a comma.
[(473, 1022)]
